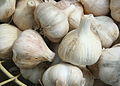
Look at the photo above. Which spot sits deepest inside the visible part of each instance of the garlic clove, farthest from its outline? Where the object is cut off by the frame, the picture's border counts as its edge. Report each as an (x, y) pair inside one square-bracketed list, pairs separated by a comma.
[(60, 83), (35, 74), (75, 16), (72, 9), (7, 8), (8, 34), (115, 9), (108, 31), (55, 26), (30, 50), (26, 19), (97, 8), (66, 6), (84, 46), (63, 75), (69, 10)]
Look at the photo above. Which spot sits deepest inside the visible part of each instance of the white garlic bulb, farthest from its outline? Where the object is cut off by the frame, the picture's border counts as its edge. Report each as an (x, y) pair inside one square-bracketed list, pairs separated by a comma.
[(115, 9), (7, 8), (107, 30), (81, 46), (24, 14), (108, 66), (30, 49), (88, 76), (96, 7), (35, 74), (53, 20), (75, 16), (8, 34), (63, 75)]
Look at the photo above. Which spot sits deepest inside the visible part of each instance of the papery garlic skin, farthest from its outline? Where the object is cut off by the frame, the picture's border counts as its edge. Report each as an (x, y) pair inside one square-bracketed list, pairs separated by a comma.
[(63, 4), (53, 21), (107, 30), (35, 74), (63, 75), (8, 34), (96, 7), (30, 50), (81, 46), (108, 66), (75, 16), (88, 76), (118, 39), (7, 8), (115, 9), (24, 14)]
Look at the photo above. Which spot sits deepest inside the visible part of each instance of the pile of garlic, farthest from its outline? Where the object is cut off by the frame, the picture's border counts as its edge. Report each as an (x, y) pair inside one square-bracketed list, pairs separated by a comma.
[(64, 43)]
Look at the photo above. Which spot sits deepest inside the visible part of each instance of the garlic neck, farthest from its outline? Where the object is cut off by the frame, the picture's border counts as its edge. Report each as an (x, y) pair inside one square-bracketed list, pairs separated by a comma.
[(85, 24), (31, 4), (69, 10)]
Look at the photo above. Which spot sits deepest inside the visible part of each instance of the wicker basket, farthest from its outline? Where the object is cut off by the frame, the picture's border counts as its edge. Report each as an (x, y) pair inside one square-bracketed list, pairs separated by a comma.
[(10, 75)]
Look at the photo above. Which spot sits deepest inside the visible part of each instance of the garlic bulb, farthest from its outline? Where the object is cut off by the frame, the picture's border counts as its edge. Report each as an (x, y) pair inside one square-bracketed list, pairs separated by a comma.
[(75, 16), (96, 7), (53, 20), (35, 74), (30, 50), (88, 77), (8, 34), (107, 30), (115, 9), (81, 46), (23, 16), (7, 8), (63, 75), (108, 66)]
